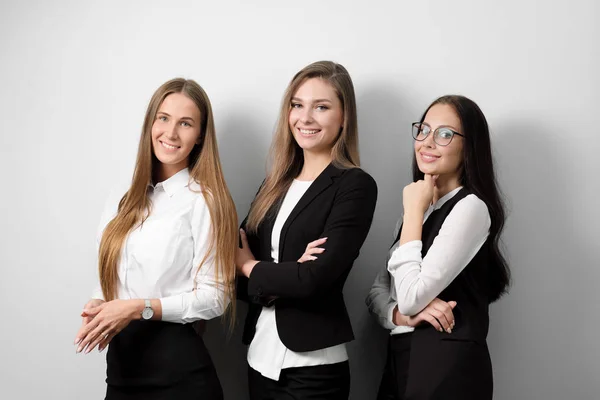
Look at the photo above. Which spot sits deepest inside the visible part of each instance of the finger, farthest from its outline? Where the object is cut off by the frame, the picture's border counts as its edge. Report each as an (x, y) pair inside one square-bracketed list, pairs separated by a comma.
[(92, 311), (317, 242), (446, 310), (244, 238), (106, 342), (433, 321), (435, 178), (429, 179), (99, 338), (306, 257), (84, 330), (88, 336), (315, 250), (441, 317)]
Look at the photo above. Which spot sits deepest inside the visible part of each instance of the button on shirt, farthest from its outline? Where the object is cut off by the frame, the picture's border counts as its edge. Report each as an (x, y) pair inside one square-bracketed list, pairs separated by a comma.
[(267, 354), (160, 258), (410, 281)]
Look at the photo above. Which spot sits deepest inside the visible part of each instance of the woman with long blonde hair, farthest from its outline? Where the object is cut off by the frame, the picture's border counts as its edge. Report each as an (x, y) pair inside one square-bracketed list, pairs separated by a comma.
[(166, 257), (304, 230)]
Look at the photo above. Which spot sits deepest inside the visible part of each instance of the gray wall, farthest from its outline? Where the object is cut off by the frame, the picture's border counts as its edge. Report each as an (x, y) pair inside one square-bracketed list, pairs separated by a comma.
[(76, 78)]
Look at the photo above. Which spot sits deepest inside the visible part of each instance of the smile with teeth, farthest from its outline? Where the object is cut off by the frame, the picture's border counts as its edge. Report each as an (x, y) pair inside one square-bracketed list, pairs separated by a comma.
[(308, 131), (168, 146)]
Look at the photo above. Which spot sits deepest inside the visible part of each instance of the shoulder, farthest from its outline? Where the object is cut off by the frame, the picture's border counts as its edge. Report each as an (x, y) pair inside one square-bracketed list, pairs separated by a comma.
[(198, 194), (472, 211), (358, 177)]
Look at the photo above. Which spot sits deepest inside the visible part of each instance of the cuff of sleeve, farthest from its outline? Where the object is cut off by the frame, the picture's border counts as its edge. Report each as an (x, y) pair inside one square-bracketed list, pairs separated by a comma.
[(390, 313), (408, 252), (172, 309)]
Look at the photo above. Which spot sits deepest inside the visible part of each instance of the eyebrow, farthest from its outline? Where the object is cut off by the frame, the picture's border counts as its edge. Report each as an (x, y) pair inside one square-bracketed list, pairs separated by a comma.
[(182, 118), (314, 101), (440, 126)]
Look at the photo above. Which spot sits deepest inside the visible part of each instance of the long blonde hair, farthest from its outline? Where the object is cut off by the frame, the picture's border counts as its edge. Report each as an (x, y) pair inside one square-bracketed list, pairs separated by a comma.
[(205, 169), (286, 158)]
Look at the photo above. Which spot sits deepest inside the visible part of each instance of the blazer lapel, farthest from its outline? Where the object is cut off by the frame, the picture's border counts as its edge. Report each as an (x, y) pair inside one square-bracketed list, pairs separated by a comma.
[(323, 181)]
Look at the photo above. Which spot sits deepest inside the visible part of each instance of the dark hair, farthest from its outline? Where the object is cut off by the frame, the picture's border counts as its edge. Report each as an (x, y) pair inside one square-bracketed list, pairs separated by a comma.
[(477, 175)]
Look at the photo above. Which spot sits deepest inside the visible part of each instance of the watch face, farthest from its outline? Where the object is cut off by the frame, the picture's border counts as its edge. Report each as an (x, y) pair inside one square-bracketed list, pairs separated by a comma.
[(147, 313)]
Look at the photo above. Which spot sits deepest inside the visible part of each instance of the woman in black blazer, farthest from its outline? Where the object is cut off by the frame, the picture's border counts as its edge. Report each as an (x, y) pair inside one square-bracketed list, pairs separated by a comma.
[(445, 266), (299, 241)]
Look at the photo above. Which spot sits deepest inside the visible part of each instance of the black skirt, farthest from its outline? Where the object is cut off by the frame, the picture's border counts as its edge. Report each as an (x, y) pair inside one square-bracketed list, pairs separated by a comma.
[(154, 360)]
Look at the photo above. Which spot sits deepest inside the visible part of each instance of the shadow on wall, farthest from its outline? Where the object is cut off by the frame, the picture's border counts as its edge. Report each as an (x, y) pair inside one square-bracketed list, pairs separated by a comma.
[(243, 157), (552, 271), (385, 148)]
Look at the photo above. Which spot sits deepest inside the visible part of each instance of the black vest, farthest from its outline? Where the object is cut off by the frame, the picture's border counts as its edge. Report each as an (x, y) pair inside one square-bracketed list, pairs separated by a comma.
[(470, 289)]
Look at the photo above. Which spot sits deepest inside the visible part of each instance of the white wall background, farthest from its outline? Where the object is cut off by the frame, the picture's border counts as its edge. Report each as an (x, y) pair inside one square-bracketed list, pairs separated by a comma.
[(76, 77)]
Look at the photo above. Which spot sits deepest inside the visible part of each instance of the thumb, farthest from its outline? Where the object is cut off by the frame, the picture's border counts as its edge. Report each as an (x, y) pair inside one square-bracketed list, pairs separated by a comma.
[(452, 304), (429, 180), (92, 311), (244, 238)]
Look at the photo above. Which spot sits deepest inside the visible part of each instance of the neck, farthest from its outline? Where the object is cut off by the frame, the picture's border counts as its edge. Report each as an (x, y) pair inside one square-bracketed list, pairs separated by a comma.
[(444, 185), (314, 164), (165, 171)]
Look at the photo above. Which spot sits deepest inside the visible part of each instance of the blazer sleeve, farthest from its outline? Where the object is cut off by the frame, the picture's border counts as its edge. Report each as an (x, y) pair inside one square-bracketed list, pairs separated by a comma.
[(346, 229)]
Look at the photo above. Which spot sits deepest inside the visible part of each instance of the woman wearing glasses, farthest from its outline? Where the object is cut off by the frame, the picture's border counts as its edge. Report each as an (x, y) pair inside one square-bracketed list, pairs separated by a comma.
[(445, 266)]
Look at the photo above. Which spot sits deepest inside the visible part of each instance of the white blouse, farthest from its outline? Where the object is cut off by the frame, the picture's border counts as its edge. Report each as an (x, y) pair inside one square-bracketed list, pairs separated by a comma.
[(160, 258), (410, 281), (267, 354)]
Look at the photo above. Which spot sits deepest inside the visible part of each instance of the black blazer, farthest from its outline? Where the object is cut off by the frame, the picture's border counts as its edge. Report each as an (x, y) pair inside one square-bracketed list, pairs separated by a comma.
[(311, 313)]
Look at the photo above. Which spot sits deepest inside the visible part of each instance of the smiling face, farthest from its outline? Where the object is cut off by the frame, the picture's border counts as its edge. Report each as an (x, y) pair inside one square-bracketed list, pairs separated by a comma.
[(316, 116), (175, 132), (434, 159)]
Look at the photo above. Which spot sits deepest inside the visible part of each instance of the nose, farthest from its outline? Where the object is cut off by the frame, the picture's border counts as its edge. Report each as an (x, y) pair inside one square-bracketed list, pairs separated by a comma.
[(306, 117), (170, 131), (429, 142)]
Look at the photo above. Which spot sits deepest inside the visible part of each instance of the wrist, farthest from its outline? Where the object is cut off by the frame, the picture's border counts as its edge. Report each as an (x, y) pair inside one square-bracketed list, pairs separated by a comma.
[(248, 267), (136, 306), (413, 216)]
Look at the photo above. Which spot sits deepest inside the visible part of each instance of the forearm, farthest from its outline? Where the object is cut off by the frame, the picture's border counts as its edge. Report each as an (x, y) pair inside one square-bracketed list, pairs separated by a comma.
[(412, 227)]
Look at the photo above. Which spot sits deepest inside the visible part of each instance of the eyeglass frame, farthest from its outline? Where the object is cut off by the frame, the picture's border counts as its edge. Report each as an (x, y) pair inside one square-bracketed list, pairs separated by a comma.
[(434, 133)]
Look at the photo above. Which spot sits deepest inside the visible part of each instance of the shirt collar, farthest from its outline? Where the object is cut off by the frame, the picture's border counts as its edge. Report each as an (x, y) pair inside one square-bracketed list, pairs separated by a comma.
[(445, 198), (174, 183)]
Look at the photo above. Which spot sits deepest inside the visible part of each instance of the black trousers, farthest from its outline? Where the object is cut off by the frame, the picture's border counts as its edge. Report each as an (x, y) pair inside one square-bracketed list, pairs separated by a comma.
[(320, 382), (419, 368), (154, 360), (395, 373)]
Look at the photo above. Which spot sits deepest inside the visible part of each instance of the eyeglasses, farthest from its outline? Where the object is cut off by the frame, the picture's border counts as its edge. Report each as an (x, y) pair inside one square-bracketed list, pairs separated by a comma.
[(442, 136)]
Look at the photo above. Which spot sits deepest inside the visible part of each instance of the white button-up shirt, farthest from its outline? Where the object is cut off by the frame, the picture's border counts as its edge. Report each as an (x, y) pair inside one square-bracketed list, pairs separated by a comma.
[(410, 281), (160, 258)]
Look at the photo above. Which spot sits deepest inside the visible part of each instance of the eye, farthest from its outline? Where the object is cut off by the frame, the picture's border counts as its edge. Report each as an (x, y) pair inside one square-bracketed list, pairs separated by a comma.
[(296, 105), (162, 118), (445, 133), (322, 108), (186, 124)]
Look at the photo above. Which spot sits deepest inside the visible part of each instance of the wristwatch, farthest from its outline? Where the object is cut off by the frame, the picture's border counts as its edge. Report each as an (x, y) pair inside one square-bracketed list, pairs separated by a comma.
[(147, 312)]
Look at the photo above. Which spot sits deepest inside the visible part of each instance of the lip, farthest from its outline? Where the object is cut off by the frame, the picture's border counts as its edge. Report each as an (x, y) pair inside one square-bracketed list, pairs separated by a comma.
[(171, 148), (428, 157)]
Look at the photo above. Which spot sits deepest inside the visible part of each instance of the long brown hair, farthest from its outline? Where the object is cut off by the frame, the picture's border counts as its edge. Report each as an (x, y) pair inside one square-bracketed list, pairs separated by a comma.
[(286, 158), (205, 169)]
